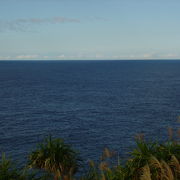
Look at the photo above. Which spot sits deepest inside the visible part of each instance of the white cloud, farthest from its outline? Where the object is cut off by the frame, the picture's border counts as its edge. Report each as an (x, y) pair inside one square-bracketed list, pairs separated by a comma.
[(147, 56), (170, 55), (99, 56), (62, 56), (5, 57), (34, 56)]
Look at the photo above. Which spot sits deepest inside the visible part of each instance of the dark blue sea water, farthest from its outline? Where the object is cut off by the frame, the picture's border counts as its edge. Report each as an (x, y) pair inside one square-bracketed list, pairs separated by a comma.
[(91, 104)]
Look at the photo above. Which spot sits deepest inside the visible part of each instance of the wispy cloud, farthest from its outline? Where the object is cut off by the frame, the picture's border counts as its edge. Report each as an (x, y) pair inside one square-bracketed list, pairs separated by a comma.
[(22, 24), (53, 20)]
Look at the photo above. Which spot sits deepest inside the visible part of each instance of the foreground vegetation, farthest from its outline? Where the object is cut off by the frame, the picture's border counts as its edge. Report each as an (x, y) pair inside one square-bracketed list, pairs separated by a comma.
[(54, 159)]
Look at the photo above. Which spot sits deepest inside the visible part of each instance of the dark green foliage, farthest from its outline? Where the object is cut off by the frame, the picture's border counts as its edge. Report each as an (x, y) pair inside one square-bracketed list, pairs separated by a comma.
[(148, 161), (55, 157), (151, 154), (166, 150), (7, 169)]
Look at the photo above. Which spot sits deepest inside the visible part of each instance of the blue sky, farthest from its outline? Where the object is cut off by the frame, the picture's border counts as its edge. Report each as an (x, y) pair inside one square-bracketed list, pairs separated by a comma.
[(89, 29)]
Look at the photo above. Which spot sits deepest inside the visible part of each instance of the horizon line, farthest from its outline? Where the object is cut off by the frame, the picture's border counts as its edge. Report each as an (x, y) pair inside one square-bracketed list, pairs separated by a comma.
[(89, 59)]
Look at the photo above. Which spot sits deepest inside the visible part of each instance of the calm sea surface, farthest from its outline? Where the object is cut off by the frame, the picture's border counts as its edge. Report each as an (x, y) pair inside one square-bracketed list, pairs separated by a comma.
[(91, 104)]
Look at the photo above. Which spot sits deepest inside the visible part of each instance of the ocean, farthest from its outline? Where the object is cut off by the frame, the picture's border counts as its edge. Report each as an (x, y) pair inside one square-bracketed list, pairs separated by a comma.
[(90, 104)]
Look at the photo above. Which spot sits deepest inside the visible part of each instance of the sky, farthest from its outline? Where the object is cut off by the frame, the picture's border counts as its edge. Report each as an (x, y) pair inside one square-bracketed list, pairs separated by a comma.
[(89, 29)]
